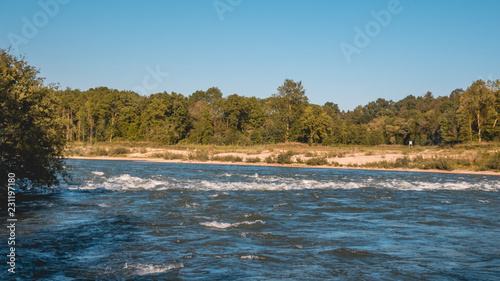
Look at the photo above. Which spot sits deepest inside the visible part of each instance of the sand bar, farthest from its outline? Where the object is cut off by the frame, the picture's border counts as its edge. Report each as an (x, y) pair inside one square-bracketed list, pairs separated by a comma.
[(295, 165)]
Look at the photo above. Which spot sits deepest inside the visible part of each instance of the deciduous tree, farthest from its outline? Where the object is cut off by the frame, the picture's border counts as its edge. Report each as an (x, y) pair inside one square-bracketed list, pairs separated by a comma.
[(31, 138)]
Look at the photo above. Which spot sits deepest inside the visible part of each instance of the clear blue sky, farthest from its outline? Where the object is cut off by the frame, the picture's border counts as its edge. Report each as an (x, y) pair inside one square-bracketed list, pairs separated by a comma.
[(254, 45)]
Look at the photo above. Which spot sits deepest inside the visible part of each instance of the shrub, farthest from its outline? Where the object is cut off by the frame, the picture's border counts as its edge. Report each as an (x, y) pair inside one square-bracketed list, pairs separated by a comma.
[(269, 160), (335, 154), (336, 164), (316, 161), (439, 163), (171, 156), (201, 155), (253, 160), (75, 151), (493, 163), (403, 162), (285, 157), (118, 151), (227, 158), (99, 151), (310, 154)]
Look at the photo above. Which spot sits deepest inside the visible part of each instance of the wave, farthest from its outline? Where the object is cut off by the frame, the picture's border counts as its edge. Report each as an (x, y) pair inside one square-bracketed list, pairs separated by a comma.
[(225, 225), (122, 183), (126, 182), (146, 269), (429, 186), (252, 257)]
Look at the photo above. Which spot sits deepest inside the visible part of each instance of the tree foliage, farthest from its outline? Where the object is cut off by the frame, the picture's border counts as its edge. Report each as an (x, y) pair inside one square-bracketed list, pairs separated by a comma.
[(207, 117), (31, 135), (289, 104)]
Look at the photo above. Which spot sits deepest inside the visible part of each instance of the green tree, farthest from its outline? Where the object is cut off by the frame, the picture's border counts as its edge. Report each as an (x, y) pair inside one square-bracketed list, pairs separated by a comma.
[(449, 127), (316, 125), (475, 105), (289, 104), (31, 138), (165, 118), (494, 106)]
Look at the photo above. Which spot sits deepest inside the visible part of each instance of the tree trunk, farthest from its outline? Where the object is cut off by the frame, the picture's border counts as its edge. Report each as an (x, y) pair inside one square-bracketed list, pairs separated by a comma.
[(91, 127), (470, 127), (113, 116), (479, 125), (66, 116), (286, 133), (71, 125)]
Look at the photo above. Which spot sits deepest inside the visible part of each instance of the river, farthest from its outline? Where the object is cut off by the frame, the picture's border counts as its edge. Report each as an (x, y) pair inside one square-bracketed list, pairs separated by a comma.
[(162, 221)]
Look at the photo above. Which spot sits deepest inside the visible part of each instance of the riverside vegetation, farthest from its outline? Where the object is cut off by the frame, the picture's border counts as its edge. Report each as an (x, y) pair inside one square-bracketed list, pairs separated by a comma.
[(472, 157)]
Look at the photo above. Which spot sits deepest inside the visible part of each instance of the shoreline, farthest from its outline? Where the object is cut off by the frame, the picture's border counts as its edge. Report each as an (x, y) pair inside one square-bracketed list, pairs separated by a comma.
[(160, 160)]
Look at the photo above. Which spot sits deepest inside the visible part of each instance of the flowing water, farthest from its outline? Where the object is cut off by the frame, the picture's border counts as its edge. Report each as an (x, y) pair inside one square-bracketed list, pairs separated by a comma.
[(150, 221)]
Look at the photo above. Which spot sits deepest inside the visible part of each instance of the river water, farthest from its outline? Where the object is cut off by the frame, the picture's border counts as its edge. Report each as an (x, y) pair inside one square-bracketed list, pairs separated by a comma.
[(160, 221)]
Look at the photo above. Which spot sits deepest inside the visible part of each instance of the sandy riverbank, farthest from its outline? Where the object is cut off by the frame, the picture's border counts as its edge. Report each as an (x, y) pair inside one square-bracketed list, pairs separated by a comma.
[(360, 161)]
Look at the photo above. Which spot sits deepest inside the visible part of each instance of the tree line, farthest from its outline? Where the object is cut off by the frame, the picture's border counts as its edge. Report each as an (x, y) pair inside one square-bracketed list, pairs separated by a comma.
[(207, 117)]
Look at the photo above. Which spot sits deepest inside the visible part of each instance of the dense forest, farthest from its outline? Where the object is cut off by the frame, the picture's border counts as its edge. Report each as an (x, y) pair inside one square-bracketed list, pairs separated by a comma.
[(207, 117)]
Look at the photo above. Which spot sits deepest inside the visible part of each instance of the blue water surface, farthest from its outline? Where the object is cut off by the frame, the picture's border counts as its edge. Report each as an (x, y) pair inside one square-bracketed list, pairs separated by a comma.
[(161, 221)]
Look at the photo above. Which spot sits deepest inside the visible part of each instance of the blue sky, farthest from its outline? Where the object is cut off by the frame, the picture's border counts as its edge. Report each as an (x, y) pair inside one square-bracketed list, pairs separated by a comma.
[(250, 47)]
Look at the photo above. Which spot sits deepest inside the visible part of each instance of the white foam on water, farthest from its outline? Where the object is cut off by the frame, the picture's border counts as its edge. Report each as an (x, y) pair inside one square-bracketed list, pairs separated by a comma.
[(431, 186), (146, 269), (279, 205), (202, 217), (127, 182), (252, 257), (98, 173), (122, 183), (225, 225), (284, 184), (192, 206)]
